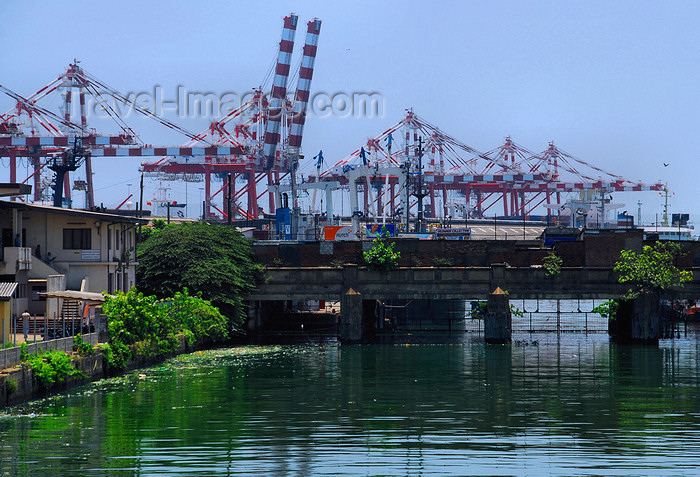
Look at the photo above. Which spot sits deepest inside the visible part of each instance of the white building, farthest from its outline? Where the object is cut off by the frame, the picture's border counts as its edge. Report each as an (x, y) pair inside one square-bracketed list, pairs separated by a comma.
[(89, 251)]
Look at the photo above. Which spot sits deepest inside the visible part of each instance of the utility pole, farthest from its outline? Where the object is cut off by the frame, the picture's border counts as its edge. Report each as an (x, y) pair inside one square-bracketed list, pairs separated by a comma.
[(408, 194), (296, 211), (228, 199), (419, 190), (140, 206)]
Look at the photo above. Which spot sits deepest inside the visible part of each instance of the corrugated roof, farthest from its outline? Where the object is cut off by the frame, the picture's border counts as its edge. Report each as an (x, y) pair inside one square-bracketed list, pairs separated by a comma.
[(7, 289), (88, 214)]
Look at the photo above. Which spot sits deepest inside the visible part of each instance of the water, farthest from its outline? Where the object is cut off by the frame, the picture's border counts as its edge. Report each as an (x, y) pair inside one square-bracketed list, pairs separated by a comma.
[(563, 405)]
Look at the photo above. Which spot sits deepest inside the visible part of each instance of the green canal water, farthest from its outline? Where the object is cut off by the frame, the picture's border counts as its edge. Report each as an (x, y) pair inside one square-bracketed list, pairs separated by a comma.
[(562, 405)]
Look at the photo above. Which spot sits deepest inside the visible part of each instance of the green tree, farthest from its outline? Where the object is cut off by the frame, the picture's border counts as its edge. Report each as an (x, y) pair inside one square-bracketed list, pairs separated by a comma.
[(212, 259), (149, 230), (652, 270)]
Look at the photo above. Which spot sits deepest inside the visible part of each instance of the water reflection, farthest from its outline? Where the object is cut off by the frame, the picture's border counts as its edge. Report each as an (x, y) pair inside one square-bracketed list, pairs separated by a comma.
[(567, 405)]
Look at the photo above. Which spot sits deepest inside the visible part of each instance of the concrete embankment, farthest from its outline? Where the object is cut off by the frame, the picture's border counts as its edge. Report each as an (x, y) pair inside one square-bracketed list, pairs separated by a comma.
[(17, 384)]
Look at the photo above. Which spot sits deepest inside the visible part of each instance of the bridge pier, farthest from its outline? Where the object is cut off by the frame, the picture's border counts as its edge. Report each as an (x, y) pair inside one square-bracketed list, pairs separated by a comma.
[(637, 321), (498, 319), (254, 323), (351, 319)]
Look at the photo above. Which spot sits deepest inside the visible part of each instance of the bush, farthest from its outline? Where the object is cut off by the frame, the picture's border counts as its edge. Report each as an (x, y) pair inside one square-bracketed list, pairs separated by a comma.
[(137, 319), (115, 361), (52, 367), (552, 265), (382, 257), (82, 347), (198, 316), (149, 326)]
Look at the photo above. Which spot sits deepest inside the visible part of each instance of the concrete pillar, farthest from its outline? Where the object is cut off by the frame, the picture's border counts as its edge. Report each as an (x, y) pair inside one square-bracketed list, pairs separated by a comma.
[(349, 276), (254, 317), (497, 323), (351, 317), (637, 321), (101, 326)]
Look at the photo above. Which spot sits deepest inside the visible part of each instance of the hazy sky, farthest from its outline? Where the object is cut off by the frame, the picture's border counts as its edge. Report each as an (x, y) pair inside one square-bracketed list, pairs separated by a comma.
[(613, 82)]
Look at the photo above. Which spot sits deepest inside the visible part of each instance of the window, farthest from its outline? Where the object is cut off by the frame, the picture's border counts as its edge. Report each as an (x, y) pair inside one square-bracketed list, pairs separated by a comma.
[(77, 239), (36, 289)]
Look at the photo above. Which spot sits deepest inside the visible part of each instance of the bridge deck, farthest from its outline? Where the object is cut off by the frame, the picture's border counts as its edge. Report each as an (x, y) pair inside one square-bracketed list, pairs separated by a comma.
[(328, 283)]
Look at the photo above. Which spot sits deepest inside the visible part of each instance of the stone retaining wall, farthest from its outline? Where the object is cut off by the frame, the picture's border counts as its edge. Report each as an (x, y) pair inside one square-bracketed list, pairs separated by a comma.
[(11, 356), (93, 366)]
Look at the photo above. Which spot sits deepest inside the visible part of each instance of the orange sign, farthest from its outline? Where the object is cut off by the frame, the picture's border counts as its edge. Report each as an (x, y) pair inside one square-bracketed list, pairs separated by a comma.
[(338, 232)]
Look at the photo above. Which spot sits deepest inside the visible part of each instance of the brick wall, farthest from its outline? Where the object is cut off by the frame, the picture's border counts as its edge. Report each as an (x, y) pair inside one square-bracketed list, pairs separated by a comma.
[(597, 249)]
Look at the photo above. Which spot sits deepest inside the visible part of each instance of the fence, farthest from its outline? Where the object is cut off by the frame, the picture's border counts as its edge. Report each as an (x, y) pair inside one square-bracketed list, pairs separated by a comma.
[(11, 356)]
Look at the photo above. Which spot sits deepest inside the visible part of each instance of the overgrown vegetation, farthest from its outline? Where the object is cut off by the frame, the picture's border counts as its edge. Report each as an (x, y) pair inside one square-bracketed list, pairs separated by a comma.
[(652, 270), (515, 311), (479, 310), (382, 257), (552, 264), (149, 327), (51, 367), (215, 260), (198, 316), (607, 309), (82, 347), (442, 262), (10, 385)]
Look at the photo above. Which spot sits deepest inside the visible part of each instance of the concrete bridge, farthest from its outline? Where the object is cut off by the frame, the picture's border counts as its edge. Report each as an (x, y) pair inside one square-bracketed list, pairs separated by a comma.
[(356, 287), (438, 283)]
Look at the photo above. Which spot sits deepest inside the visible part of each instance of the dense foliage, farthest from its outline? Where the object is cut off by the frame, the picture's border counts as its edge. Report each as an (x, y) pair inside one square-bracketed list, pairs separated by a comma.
[(212, 259), (198, 316), (652, 270), (149, 230), (51, 367), (149, 327), (382, 257), (135, 319)]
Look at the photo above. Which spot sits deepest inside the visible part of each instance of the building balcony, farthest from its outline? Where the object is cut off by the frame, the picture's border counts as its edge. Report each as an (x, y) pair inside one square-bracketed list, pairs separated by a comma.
[(16, 259)]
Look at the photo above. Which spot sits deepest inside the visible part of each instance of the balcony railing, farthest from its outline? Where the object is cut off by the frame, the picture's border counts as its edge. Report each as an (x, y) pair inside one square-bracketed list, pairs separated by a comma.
[(22, 256)]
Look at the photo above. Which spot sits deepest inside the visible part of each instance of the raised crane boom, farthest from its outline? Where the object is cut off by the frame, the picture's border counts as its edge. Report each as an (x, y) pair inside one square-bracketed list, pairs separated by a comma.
[(306, 74), (279, 90)]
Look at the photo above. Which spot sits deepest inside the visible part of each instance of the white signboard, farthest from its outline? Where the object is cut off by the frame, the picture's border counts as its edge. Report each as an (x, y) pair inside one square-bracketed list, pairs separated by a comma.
[(90, 255)]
